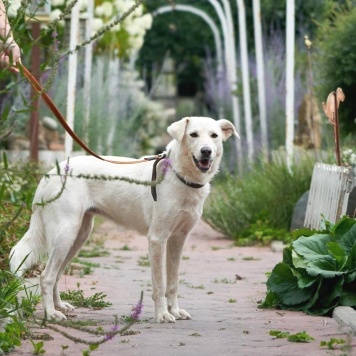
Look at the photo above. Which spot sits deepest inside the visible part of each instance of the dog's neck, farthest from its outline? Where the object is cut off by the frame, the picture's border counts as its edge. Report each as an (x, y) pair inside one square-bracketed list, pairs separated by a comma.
[(183, 166)]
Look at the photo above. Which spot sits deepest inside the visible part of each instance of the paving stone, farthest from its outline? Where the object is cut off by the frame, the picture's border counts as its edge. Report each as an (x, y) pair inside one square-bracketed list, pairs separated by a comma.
[(220, 286)]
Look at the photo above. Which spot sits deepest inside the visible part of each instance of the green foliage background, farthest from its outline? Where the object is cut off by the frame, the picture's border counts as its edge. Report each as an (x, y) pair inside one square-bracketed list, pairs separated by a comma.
[(258, 206), (335, 61)]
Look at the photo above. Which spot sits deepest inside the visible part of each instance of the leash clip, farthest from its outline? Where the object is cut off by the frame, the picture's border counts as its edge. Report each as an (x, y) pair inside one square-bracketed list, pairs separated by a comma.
[(155, 157)]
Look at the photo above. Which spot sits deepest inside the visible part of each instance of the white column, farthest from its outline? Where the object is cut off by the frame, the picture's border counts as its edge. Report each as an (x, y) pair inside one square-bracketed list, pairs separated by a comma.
[(245, 78), (72, 78), (231, 67), (260, 77), (290, 39), (87, 70)]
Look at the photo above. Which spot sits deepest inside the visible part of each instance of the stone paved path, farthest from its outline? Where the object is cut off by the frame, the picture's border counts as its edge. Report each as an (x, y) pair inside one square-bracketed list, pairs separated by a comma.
[(226, 320)]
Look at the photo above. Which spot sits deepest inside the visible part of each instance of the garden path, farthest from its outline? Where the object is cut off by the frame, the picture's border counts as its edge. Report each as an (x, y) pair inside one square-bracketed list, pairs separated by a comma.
[(220, 286)]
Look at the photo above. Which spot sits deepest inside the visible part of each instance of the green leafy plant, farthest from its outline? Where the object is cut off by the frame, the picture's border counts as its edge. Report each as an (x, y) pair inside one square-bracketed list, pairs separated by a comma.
[(318, 271), (96, 301), (302, 336), (38, 347), (332, 343), (14, 323), (10, 337)]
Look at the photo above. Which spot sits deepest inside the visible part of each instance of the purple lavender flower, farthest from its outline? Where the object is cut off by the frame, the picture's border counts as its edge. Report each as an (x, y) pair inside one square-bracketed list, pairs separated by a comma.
[(66, 169), (137, 310), (166, 165), (111, 335)]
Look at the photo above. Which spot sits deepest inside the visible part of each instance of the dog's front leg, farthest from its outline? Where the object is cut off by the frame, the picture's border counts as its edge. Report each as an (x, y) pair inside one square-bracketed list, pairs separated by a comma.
[(174, 254), (157, 251)]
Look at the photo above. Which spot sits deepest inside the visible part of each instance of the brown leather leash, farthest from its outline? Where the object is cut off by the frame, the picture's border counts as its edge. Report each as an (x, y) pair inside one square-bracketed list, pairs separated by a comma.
[(48, 101)]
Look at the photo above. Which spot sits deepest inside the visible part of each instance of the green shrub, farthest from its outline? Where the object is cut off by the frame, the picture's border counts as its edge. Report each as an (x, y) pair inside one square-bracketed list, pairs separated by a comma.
[(335, 61), (17, 186), (258, 207), (14, 325)]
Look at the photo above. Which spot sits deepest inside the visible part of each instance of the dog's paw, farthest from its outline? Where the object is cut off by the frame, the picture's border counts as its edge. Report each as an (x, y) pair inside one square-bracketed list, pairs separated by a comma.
[(64, 307), (180, 314), (165, 318), (55, 315)]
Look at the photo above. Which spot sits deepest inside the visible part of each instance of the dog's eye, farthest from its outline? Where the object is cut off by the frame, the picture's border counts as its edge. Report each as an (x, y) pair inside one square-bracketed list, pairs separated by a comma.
[(214, 135), (194, 134)]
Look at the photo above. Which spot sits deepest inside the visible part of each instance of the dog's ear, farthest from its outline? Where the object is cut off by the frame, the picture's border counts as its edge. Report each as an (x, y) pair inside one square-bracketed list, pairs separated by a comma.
[(228, 129), (177, 129)]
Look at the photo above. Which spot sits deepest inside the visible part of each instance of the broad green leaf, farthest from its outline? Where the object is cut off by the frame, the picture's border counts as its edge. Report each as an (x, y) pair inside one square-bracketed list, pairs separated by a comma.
[(322, 310), (343, 226), (298, 261), (315, 306), (351, 261), (271, 301), (350, 277), (348, 296), (303, 232), (325, 267), (315, 296), (348, 240), (338, 253), (284, 284), (330, 291), (287, 256), (348, 299), (305, 280), (312, 247)]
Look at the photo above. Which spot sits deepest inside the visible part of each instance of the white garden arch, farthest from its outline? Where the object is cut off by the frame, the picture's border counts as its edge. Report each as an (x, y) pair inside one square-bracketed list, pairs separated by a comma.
[(205, 17), (230, 60)]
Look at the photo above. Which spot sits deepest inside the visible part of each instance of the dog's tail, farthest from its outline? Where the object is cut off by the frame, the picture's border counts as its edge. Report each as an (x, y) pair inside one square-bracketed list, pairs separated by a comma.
[(27, 252)]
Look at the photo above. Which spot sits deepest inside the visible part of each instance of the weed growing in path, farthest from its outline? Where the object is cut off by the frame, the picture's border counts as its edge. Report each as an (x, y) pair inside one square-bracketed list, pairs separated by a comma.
[(144, 261), (302, 336), (76, 297), (125, 248), (332, 343)]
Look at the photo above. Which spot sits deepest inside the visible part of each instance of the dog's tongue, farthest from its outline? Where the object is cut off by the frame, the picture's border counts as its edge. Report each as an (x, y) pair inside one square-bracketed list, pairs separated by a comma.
[(204, 163)]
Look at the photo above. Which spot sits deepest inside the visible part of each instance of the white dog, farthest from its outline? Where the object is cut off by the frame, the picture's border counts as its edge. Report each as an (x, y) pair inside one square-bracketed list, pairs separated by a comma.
[(59, 229)]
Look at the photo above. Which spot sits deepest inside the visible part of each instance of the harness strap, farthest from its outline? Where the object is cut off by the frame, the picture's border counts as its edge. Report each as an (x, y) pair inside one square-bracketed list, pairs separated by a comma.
[(154, 176)]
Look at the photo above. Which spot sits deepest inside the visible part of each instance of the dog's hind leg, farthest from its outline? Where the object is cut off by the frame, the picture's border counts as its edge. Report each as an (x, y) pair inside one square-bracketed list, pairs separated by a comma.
[(174, 254), (83, 234), (61, 250)]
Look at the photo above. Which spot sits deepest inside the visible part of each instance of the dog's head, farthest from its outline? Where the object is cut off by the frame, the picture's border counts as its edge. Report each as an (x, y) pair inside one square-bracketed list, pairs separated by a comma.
[(201, 139)]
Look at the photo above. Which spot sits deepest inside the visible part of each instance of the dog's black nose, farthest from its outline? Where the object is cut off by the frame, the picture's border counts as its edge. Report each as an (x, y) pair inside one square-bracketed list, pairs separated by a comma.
[(206, 151)]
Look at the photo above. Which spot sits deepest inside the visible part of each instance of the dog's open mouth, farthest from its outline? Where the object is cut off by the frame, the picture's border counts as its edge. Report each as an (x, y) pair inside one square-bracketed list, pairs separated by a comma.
[(203, 164)]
